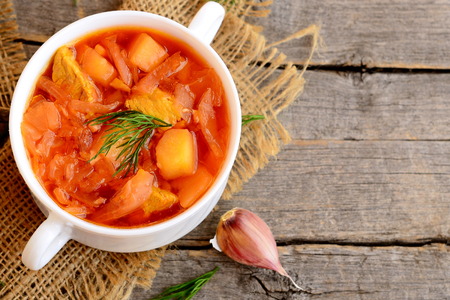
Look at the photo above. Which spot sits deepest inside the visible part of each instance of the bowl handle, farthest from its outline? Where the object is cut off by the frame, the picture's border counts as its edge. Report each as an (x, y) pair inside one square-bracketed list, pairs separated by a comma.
[(207, 21), (45, 242)]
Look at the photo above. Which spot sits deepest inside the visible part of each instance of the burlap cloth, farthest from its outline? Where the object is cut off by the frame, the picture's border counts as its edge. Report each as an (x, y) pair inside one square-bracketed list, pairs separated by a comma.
[(80, 272)]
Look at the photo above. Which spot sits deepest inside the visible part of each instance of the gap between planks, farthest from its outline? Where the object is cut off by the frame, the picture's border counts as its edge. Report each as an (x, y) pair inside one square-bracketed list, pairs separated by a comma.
[(33, 42), (205, 244)]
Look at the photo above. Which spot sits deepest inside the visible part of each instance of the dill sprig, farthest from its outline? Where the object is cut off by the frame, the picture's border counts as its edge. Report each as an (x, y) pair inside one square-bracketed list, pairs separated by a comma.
[(187, 290), (250, 118), (131, 130)]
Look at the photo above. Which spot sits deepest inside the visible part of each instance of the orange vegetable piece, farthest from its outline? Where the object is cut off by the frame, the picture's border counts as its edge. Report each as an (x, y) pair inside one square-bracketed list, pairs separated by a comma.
[(208, 123), (120, 85), (176, 154), (184, 101), (172, 65), (44, 146), (159, 200), (119, 61), (191, 188), (97, 67), (128, 199), (113, 97), (42, 116), (113, 153), (146, 53), (90, 109), (101, 50), (52, 89)]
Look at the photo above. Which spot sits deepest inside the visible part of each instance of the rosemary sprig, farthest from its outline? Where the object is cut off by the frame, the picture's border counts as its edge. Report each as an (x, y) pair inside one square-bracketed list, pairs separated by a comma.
[(132, 129), (187, 290), (250, 118)]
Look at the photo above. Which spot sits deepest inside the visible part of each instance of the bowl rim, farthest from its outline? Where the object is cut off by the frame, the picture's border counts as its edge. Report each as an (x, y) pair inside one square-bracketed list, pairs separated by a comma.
[(34, 68)]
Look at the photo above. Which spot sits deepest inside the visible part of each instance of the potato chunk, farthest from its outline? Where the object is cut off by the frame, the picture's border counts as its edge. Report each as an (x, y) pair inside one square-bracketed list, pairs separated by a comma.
[(176, 154), (97, 67), (146, 53)]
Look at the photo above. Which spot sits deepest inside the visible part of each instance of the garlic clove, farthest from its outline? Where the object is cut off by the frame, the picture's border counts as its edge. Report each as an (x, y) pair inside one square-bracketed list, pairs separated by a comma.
[(214, 243), (246, 238)]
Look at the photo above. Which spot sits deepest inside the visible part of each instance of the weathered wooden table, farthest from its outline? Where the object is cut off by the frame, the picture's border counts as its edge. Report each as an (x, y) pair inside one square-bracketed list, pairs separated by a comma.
[(359, 201)]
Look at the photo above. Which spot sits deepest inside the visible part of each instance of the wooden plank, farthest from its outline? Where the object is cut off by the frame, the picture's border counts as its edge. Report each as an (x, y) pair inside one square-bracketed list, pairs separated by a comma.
[(35, 25), (367, 106), (379, 106), (349, 192), (382, 33), (325, 271)]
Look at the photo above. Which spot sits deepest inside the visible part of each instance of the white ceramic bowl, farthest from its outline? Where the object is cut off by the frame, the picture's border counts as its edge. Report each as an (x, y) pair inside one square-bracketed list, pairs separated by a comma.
[(60, 226)]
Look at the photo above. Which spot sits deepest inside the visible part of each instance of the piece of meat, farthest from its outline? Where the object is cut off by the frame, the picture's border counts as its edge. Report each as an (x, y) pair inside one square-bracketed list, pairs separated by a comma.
[(158, 104), (68, 74), (159, 200)]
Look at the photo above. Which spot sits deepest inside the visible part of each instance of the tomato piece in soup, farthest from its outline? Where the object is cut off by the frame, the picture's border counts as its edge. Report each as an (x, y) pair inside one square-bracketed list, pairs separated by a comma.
[(132, 195), (191, 188), (42, 116)]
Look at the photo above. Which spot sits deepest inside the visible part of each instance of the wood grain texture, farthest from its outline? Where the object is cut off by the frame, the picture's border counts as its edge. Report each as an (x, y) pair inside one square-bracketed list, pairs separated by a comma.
[(358, 202), (349, 192), (381, 33), (371, 106), (38, 20), (325, 271)]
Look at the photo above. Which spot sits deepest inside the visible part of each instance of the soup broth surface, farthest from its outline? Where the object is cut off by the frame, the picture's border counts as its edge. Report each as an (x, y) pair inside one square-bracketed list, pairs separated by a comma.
[(127, 127)]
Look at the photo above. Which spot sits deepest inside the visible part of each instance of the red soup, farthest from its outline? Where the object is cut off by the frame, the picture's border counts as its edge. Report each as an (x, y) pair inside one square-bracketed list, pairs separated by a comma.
[(127, 127)]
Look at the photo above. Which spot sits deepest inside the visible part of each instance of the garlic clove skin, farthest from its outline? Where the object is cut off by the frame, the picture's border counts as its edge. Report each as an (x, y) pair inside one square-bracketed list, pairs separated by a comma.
[(245, 238), (214, 243)]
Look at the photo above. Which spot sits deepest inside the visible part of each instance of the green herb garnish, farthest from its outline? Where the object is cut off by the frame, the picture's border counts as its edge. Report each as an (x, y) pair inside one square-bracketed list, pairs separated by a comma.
[(250, 118), (224, 2), (187, 290), (2, 284), (131, 130)]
